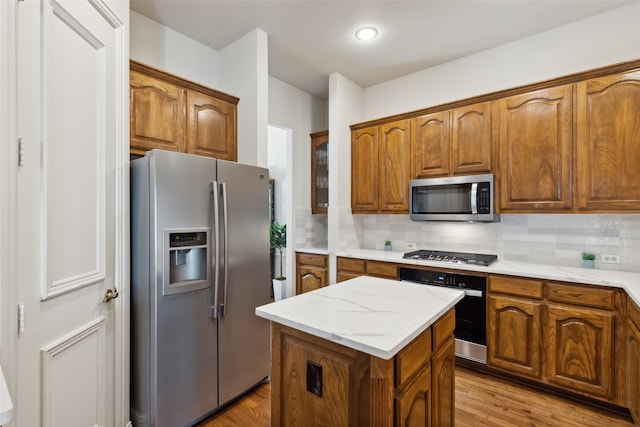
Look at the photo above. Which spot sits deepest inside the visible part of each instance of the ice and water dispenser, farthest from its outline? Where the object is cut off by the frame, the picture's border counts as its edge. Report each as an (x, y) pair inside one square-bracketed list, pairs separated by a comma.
[(187, 261)]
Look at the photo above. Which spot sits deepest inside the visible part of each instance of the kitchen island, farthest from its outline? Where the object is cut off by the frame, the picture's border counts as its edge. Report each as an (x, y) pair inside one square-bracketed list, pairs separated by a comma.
[(363, 352)]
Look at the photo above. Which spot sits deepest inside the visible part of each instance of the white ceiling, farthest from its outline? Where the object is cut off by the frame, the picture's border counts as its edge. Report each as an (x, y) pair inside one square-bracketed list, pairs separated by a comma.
[(308, 40)]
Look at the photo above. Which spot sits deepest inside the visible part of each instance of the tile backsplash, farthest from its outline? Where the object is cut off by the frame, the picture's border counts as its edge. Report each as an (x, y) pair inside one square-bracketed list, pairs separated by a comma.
[(552, 239)]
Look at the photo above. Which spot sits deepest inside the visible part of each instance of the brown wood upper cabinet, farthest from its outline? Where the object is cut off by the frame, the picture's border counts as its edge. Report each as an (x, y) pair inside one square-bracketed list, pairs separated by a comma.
[(319, 172), (536, 150), (380, 168), (608, 143), (452, 142), (171, 113)]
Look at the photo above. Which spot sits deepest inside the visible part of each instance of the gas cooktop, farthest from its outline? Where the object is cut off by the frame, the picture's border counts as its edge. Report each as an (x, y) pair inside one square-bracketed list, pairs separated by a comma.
[(454, 257)]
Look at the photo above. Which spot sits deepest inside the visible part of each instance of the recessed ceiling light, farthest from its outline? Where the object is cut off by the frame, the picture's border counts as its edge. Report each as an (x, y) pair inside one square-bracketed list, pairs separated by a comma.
[(366, 33)]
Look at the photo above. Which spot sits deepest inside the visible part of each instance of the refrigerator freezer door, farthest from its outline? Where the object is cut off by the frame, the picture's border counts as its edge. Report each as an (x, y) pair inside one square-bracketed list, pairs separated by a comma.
[(243, 337), (185, 351)]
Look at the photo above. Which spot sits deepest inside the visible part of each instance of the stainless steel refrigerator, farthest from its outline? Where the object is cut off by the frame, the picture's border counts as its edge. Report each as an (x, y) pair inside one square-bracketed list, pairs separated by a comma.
[(200, 266)]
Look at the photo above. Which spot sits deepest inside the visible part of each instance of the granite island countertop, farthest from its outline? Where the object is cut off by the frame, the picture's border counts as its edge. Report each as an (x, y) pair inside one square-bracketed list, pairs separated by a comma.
[(372, 315), (629, 281)]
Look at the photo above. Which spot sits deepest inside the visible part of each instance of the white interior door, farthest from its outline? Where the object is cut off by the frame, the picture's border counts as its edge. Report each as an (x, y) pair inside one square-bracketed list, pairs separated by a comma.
[(71, 224)]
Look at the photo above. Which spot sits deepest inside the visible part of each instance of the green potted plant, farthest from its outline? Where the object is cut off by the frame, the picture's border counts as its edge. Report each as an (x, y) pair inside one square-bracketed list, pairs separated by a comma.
[(278, 240), (387, 245), (588, 259)]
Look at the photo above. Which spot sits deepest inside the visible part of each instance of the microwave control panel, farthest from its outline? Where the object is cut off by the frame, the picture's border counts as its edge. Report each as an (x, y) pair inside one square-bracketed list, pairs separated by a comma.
[(484, 198)]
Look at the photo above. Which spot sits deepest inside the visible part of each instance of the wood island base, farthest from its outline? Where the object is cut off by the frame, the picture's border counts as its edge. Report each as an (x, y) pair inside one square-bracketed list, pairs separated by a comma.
[(316, 382)]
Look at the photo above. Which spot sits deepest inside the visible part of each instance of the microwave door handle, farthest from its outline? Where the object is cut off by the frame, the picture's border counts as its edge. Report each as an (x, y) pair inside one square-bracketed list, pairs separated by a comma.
[(215, 260), (474, 198)]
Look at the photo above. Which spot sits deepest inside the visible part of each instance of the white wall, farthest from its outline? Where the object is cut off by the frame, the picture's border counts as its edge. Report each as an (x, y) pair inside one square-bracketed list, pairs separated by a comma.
[(244, 73), (304, 114), (165, 49), (601, 40)]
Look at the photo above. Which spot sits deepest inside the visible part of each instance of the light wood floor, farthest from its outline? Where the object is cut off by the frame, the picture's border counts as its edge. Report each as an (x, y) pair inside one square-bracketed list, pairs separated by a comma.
[(481, 400)]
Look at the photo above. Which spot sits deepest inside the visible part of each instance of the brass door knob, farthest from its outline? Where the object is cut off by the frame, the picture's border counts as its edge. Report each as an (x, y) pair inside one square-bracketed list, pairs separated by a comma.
[(109, 294)]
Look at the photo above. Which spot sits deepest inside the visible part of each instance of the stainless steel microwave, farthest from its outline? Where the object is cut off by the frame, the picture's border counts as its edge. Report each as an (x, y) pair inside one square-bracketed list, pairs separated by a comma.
[(456, 198)]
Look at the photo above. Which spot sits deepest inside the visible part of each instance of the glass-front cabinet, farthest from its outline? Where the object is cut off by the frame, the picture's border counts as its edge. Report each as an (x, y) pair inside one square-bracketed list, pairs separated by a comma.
[(319, 172)]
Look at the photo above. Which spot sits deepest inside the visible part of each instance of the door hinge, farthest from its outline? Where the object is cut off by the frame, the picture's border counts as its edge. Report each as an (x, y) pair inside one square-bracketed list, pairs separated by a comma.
[(22, 152), (20, 318)]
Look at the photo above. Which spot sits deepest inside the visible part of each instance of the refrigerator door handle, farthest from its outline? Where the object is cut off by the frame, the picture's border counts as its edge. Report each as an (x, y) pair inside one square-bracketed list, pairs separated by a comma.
[(225, 225), (215, 259)]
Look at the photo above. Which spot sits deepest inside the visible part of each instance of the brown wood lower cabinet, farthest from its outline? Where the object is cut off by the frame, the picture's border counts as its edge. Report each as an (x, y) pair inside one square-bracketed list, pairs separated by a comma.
[(315, 382), (348, 268), (568, 336), (312, 272), (633, 381)]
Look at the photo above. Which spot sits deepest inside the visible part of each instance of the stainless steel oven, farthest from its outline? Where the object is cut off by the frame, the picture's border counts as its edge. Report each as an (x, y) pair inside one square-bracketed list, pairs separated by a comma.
[(471, 324)]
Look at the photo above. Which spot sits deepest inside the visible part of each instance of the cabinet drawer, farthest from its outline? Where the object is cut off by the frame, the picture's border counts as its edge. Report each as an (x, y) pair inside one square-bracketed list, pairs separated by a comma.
[(443, 329), (352, 265), (383, 269), (634, 313), (582, 295), (311, 259), (412, 357), (529, 288)]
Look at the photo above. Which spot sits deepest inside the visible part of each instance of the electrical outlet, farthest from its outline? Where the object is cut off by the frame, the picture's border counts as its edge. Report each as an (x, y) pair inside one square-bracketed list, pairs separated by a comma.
[(610, 259), (410, 245), (314, 378)]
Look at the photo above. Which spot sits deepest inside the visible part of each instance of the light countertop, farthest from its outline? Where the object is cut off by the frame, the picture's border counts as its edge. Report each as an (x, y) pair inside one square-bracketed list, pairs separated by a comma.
[(372, 315), (317, 251), (591, 276), (6, 406)]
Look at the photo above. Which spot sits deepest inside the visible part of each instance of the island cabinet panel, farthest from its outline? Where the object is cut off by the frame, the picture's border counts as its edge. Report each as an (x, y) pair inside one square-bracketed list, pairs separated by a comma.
[(312, 272), (158, 116), (608, 142), (633, 389), (514, 328), (580, 349), (536, 143), (364, 170), (351, 388), (211, 127), (413, 404)]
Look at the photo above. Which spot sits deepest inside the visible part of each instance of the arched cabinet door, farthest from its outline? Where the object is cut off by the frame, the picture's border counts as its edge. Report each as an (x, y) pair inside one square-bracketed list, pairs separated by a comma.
[(608, 143)]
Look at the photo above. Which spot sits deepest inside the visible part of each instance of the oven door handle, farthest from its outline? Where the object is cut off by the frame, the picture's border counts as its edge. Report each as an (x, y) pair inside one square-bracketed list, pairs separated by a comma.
[(473, 293)]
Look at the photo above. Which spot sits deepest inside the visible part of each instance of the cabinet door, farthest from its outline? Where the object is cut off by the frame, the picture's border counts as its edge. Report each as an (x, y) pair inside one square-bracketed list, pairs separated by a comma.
[(430, 145), (364, 170), (157, 118), (212, 126), (310, 278), (413, 404), (633, 379), (471, 139), (319, 172), (608, 143), (580, 349), (395, 166), (513, 339), (443, 366), (536, 150)]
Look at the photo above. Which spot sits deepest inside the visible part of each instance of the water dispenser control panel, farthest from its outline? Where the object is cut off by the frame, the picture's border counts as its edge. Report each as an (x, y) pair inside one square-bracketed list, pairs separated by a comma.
[(187, 266)]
